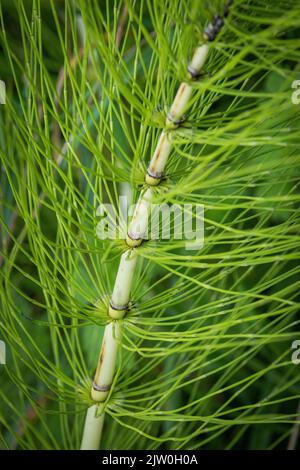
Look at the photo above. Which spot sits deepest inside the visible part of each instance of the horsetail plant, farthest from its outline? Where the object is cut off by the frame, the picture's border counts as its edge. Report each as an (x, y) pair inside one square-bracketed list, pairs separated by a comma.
[(134, 341), (119, 302)]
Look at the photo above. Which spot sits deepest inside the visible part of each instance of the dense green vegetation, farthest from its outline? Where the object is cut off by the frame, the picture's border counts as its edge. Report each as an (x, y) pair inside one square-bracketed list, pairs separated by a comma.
[(205, 358)]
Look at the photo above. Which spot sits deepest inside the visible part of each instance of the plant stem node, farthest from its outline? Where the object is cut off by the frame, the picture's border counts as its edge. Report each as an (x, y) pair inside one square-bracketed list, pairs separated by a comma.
[(99, 394), (116, 313), (133, 243), (151, 180)]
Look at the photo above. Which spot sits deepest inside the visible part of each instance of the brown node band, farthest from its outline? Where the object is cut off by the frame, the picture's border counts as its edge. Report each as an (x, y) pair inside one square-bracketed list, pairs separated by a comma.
[(152, 179), (194, 73), (154, 175), (101, 388), (117, 307), (176, 122), (133, 241)]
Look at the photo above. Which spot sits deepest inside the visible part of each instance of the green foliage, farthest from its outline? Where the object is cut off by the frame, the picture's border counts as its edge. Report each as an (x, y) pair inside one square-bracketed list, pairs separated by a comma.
[(206, 350)]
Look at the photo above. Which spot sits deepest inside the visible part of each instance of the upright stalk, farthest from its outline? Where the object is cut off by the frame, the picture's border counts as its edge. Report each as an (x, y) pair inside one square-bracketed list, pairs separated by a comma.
[(119, 302), (92, 429)]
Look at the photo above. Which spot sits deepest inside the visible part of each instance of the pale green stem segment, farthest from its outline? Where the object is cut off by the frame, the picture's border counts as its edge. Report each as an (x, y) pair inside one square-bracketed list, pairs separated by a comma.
[(122, 288), (176, 113), (107, 362), (138, 227), (136, 232), (92, 429)]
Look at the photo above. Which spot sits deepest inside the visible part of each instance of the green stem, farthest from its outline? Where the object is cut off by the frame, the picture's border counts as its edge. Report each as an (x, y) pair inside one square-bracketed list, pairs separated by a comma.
[(121, 293)]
